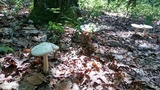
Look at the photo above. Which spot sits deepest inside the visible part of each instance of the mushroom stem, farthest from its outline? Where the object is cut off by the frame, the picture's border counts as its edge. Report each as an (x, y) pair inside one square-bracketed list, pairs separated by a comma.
[(136, 30), (45, 63), (144, 31)]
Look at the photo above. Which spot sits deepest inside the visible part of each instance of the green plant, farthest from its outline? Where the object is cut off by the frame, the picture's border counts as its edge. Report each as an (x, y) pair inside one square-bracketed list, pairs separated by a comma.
[(146, 11), (18, 4), (116, 6), (5, 49), (154, 3), (31, 6), (56, 26), (55, 10), (55, 31)]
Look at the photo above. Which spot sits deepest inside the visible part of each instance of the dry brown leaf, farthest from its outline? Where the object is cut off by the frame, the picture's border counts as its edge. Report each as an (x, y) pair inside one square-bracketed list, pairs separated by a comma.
[(36, 79), (113, 66), (37, 61), (94, 64), (64, 85), (26, 50)]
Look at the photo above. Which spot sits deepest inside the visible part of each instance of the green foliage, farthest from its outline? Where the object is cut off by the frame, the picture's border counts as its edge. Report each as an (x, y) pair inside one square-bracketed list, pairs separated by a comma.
[(70, 16), (55, 31), (54, 38), (18, 4), (31, 6), (55, 26), (5, 49), (147, 9), (92, 4), (52, 10), (55, 10), (78, 22), (101, 5), (116, 6), (154, 3)]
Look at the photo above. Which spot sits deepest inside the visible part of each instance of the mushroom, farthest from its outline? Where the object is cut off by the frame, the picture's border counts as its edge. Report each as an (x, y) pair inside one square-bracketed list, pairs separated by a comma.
[(87, 30), (42, 50), (141, 26), (145, 27), (136, 26)]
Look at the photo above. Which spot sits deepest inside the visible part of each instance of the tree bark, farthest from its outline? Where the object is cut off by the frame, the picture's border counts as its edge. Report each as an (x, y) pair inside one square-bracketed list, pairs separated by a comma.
[(42, 10)]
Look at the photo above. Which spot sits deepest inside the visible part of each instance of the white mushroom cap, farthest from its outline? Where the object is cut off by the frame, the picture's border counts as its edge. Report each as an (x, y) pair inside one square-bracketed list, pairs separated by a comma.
[(147, 26), (90, 27), (137, 26), (141, 26), (44, 48)]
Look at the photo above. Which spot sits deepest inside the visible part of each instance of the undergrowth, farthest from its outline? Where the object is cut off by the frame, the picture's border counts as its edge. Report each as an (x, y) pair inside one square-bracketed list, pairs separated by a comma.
[(147, 9)]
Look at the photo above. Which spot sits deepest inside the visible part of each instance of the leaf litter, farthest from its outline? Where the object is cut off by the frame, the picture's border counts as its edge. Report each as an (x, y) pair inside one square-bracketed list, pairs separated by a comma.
[(113, 58)]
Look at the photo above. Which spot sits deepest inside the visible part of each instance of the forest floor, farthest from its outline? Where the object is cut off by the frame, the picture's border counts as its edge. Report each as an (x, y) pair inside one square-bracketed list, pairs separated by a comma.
[(112, 58)]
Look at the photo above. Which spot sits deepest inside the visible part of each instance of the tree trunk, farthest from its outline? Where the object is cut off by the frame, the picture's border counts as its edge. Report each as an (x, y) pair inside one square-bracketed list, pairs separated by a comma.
[(43, 10)]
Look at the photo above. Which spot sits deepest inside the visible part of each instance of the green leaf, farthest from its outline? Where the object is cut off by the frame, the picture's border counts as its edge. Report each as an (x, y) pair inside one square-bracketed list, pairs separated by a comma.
[(5, 49), (10, 49), (55, 10)]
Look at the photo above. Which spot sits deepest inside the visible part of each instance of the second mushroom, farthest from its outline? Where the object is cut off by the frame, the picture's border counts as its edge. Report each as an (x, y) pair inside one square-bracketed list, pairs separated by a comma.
[(141, 26)]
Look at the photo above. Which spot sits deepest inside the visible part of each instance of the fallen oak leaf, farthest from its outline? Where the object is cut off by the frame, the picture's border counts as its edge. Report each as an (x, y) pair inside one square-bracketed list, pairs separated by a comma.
[(36, 79), (41, 76)]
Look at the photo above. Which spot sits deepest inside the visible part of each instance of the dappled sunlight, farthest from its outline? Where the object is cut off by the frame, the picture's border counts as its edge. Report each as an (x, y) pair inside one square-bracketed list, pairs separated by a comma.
[(90, 72), (123, 34), (143, 44), (116, 14), (94, 45)]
